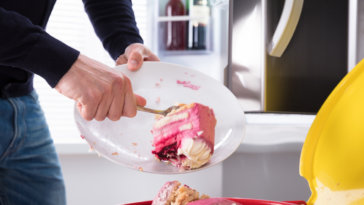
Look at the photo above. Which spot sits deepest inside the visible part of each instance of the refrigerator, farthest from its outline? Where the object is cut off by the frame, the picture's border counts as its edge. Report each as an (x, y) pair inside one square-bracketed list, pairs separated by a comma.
[(276, 56)]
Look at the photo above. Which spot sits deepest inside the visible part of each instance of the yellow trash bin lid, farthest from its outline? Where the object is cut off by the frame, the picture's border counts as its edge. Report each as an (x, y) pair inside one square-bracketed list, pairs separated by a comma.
[(332, 157)]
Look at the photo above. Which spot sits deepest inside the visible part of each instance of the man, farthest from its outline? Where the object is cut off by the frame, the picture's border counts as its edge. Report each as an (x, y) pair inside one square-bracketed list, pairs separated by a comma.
[(29, 167)]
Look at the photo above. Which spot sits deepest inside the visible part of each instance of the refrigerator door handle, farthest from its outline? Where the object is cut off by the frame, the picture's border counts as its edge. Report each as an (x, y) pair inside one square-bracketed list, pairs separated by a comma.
[(287, 25)]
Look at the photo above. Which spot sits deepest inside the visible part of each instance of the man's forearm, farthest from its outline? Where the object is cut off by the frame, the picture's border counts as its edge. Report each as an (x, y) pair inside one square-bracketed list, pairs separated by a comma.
[(29, 47), (114, 24)]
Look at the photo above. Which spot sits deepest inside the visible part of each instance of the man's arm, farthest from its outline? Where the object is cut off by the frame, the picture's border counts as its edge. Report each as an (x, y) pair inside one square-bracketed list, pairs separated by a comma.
[(114, 24), (99, 91), (29, 47)]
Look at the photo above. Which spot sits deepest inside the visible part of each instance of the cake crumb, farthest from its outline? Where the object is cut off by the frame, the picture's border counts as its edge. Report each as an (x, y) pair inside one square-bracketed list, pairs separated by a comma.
[(168, 162), (161, 80), (157, 159), (83, 137), (158, 100), (135, 152), (121, 133), (157, 117), (157, 84), (186, 73), (98, 153), (94, 142), (91, 148), (140, 169), (204, 196), (114, 153), (135, 144)]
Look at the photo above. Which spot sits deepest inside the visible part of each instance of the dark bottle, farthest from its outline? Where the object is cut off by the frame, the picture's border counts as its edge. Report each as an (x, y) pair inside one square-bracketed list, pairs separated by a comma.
[(188, 23), (175, 31), (201, 9)]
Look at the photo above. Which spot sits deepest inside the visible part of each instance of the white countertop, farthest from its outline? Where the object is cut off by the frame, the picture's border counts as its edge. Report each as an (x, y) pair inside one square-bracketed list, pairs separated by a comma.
[(275, 132)]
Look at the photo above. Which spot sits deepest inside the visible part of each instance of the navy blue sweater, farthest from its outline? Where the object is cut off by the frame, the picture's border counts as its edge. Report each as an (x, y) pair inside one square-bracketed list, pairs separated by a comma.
[(25, 48)]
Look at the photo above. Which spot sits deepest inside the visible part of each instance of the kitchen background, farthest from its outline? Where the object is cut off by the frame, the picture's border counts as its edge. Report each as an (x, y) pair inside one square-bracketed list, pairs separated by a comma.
[(266, 164)]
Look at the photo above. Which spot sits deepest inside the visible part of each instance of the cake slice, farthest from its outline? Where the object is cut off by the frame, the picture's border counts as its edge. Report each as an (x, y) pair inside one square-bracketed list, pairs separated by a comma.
[(186, 136), (167, 193), (172, 193)]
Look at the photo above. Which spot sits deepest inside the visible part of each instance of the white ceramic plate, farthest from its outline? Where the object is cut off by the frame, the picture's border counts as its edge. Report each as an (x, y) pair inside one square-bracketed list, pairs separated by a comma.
[(114, 140)]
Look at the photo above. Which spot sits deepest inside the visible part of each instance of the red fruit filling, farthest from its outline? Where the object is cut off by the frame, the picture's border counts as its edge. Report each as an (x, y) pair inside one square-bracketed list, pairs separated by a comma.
[(168, 153)]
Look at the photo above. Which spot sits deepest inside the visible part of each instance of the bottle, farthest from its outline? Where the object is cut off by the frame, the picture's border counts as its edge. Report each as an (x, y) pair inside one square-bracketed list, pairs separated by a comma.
[(197, 38), (175, 31), (188, 3)]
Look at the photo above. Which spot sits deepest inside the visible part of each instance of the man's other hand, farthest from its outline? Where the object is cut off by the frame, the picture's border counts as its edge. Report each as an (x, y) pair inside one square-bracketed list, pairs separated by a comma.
[(134, 56)]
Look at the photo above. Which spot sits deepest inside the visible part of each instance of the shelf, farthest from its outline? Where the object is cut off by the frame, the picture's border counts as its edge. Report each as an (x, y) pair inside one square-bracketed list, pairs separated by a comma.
[(279, 119), (186, 52), (180, 18)]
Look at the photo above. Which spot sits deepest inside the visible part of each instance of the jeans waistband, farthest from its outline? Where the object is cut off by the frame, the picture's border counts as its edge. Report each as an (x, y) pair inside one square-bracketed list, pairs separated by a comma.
[(17, 89)]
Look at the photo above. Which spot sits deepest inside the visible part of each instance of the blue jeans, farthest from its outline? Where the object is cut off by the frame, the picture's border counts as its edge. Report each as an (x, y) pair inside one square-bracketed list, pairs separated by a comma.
[(30, 171)]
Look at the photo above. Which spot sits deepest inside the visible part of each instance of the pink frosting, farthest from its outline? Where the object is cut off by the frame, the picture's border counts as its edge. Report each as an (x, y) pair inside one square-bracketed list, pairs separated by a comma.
[(188, 84), (167, 139)]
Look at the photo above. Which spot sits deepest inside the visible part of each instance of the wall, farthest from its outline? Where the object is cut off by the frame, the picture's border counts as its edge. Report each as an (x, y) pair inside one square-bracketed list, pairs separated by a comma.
[(271, 176)]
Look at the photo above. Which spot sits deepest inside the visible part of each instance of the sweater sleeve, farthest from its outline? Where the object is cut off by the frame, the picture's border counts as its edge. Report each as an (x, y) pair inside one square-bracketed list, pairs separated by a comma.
[(114, 24), (29, 47)]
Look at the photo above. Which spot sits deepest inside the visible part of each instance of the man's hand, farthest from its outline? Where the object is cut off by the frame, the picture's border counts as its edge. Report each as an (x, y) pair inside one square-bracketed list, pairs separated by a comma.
[(134, 55), (99, 90)]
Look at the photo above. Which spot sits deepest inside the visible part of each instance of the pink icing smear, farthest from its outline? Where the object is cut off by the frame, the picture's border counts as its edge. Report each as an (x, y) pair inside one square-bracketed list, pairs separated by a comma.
[(188, 85)]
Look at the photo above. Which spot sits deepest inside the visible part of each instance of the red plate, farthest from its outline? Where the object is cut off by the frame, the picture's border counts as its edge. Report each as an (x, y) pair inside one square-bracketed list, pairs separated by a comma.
[(242, 201)]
